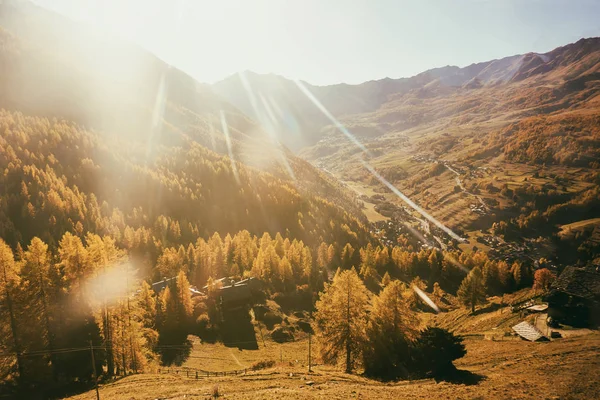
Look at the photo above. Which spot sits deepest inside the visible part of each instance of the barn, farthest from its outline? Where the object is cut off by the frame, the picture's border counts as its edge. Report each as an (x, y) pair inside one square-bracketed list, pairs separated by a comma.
[(574, 297)]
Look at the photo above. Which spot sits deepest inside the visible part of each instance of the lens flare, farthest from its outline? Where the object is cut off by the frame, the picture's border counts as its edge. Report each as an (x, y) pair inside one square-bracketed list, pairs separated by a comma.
[(412, 204), (267, 119), (110, 284), (229, 146), (425, 298), (326, 112)]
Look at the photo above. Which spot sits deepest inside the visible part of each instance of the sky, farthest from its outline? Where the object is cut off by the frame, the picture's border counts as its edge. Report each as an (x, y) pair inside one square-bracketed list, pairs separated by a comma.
[(332, 41)]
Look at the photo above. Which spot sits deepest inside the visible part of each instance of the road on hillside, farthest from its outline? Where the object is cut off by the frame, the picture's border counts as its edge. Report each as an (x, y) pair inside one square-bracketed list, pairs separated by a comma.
[(462, 187)]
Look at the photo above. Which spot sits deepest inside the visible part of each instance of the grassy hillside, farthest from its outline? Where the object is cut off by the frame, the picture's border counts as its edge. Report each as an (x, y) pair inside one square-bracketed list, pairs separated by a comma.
[(509, 369)]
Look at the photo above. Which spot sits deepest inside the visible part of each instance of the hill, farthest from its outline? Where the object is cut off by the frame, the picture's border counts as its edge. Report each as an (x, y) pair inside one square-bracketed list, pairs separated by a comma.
[(508, 369)]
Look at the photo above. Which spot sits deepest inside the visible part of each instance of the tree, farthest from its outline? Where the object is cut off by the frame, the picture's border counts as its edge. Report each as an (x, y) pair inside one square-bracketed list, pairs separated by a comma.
[(347, 256), (472, 290), (390, 331), (386, 279), (543, 279), (38, 276), (435, 349), (9, 278), (341, 318)]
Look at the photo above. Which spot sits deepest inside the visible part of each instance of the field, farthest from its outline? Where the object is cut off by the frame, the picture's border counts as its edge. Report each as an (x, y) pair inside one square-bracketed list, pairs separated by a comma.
[(562, 369)]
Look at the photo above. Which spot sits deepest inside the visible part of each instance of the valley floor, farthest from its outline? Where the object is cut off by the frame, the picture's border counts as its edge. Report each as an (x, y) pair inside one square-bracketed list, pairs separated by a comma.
[(511, 369)]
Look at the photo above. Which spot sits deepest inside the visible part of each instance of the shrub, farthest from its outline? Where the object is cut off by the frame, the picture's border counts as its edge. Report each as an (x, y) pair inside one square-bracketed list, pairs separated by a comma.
[(434, 351), (262, 365), (205, 330)]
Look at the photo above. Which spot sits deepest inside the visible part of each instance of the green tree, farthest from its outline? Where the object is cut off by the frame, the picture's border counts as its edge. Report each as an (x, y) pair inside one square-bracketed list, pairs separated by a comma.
[(472, 290), (341, 318)]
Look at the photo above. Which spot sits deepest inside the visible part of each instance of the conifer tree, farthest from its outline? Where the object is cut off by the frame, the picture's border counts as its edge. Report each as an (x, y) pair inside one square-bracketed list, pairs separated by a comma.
[(392, 327), (9, 279), (472, 290), (341, 318)]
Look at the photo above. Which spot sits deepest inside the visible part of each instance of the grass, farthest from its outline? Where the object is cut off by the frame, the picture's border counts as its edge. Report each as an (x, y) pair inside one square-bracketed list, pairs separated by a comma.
[(218, 357), (564, 369)]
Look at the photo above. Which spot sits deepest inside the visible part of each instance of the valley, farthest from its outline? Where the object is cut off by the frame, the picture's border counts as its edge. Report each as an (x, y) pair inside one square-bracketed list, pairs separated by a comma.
[(436, 235)]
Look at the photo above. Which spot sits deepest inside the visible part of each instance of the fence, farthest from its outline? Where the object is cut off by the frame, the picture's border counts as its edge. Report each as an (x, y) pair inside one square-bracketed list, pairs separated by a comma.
[(200, 373)]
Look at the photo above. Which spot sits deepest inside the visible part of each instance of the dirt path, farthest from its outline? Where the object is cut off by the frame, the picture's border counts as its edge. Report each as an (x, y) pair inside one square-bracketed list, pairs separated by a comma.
[(462, 187), (236, 359)]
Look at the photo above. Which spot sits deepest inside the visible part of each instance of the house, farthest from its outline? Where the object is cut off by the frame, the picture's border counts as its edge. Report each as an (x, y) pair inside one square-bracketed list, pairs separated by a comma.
[(235, 296), (240, 294), (574, 297), (161, 285)]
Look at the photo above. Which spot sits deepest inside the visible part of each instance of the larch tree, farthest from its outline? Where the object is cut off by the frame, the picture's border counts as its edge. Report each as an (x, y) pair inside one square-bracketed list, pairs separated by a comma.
[(543, 279), (392, 327), (472, 290), (9, 279), (341, 318), (37, 280)]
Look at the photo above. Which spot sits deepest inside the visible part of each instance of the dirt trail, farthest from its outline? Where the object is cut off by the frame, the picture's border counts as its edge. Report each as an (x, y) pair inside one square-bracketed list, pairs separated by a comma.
[(462, 187)]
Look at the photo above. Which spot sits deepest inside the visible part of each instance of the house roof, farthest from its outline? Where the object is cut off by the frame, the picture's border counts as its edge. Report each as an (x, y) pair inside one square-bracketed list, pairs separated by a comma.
[(528, 332), (160, 285), (235, 293), (579, 282)]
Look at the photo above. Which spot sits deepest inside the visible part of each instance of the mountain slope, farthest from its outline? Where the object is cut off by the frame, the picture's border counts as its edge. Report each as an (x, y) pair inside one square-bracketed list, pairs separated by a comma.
[(374, 96), (122, 129)]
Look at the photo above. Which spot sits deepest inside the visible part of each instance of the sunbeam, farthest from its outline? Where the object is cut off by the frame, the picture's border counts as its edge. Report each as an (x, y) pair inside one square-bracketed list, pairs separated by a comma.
[(229, 147), (326, 112), (408, 201)]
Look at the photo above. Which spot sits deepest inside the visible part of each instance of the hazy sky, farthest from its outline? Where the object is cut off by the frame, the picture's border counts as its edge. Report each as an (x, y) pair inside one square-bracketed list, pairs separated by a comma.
[(331, 41)]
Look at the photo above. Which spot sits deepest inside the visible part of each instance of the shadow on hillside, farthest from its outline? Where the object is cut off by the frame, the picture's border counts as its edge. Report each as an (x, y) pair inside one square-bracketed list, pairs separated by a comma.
[(174, 352), (461, 377), (237, 330)]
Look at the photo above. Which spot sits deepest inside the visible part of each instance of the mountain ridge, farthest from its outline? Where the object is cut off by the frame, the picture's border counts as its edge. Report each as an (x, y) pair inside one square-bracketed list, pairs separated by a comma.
[(346, 99)]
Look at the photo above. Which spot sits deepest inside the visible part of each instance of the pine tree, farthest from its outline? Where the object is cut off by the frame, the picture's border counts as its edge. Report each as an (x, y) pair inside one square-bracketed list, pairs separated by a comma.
[(472, 290), (341, 318)]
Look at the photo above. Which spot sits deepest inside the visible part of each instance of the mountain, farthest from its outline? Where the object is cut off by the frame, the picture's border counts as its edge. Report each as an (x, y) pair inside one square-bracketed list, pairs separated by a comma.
[(513, 140), (125, 131), (300, 123)]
